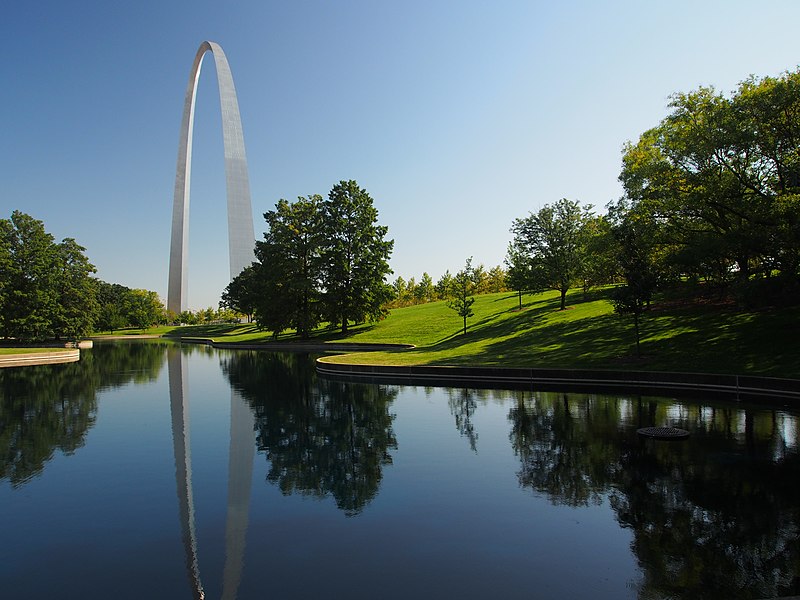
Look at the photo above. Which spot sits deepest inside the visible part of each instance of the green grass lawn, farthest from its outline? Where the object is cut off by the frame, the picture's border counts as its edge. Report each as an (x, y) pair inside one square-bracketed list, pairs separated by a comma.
[(5, 351), (689, 337)]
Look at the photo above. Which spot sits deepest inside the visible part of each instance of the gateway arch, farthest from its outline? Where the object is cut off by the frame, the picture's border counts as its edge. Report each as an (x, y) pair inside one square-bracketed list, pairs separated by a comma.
[(241, 238)]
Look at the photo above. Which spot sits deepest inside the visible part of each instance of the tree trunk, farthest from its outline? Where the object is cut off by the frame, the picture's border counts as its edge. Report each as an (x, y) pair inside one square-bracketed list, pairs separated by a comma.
[(465, 325), (636, 327), (563, 299), (520, 299)]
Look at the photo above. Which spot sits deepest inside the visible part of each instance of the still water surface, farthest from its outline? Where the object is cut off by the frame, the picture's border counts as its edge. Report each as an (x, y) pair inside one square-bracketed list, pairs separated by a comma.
[(150, 470)]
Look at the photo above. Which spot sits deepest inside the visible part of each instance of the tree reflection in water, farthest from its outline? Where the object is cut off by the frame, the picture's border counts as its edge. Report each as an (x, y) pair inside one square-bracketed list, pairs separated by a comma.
[(320, 437), (52, 407), (715, 517), (463, 405)]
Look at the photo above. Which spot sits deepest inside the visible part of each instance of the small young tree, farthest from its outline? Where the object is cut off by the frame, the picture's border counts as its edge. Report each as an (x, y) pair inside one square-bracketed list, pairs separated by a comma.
[(462, 291)]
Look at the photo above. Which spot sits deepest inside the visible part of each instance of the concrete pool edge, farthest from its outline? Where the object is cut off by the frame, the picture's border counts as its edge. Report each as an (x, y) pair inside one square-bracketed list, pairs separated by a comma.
[(739, 386), (646, 382), (40, 358)]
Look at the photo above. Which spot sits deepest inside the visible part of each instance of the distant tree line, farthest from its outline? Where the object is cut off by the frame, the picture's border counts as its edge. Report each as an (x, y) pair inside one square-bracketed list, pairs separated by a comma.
[(121, 307), (320, 260), (47, 290), (410, 292)]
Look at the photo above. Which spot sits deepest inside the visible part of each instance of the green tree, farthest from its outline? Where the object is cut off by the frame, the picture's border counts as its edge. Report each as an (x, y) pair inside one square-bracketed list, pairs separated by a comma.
[(443, 286), (145, 308), (721, 176), (552, 239), (355, 256), (424, 291), (29, 279), (77, 292), (289, 267), (497, 280), (638, 272), (462, 291), (600, 265), (241, 294), (519, 272), (113, 300)]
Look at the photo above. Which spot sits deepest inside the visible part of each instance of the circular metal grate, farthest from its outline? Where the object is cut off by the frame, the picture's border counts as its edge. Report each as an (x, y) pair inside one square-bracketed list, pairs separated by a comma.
[(663, 433)]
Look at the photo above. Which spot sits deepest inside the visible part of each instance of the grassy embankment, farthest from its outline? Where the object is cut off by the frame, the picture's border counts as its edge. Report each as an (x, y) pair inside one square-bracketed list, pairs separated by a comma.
[(676, 336)]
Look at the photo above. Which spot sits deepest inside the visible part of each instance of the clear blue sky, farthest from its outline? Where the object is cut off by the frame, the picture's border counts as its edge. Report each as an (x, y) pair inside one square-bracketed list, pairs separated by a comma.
[(456, 116)]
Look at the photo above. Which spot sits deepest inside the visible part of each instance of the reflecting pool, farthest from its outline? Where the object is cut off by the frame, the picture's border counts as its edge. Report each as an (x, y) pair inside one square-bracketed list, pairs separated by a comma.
[(151, 470)]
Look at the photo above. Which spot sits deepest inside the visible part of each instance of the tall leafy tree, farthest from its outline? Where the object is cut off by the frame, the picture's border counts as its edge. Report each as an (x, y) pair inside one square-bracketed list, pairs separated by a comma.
[(77, 292), (552, 239), (29, 279), (289, 268), (356, 257)]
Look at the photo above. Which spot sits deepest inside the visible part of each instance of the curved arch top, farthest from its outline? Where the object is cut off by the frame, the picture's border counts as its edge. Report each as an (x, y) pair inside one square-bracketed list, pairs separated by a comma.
[(241, 238)]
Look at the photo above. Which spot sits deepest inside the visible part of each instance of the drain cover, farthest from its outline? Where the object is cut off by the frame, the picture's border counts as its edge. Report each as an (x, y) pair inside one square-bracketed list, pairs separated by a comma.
[(663, 433)]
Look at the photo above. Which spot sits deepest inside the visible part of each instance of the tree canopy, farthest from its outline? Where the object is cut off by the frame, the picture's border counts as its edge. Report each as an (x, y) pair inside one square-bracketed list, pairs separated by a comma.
[(319, 260), (552, 240), (46, 289), (719, 178)]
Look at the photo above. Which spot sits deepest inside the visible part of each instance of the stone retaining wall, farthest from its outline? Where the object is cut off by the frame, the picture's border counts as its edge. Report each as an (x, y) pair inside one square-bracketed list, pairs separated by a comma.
[(738, 386), (39, 358)]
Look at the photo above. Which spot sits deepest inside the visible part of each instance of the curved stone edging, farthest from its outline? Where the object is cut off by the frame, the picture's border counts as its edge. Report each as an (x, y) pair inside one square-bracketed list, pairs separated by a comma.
[(39, 358), (740, 386)]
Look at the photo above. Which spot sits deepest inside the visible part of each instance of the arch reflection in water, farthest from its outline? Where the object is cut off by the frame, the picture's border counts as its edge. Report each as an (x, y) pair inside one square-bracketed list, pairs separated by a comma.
[(240, 469)]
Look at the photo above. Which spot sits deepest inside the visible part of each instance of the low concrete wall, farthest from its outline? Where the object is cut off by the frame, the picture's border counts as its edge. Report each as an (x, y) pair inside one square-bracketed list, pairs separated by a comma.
[(738, 386), (39, 358)]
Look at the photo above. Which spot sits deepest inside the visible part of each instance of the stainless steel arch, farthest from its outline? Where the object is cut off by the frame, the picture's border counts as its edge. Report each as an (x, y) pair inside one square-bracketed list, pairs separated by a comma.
[(241, 239)]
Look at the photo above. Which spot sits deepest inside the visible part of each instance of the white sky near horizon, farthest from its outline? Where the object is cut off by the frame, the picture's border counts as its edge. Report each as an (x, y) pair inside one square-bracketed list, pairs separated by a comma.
[(456, 116)]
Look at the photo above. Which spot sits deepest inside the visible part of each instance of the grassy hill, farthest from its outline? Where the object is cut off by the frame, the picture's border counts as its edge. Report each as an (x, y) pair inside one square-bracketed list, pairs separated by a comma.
[(676, 336)]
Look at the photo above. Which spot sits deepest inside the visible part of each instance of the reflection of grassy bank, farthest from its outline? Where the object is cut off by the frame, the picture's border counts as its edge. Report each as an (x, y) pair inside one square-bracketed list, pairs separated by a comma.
[(689, 337)]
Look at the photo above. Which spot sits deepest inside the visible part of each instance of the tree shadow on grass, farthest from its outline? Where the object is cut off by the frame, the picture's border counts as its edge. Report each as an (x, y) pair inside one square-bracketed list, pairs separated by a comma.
[(689, 339)]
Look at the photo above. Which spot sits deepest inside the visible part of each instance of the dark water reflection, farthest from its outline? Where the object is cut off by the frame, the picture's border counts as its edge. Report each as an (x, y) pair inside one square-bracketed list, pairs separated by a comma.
[(445, 492), (718, 517), (49, 408), (320, 437)]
